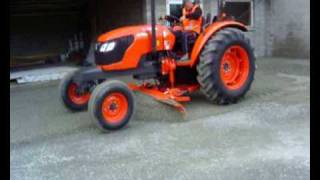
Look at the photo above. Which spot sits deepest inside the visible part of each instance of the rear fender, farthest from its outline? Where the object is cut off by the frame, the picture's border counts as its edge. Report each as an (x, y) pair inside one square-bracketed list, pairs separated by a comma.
[(208, 33)]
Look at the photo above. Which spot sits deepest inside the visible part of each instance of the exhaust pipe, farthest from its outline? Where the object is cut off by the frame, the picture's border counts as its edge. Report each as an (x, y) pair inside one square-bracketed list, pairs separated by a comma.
[(220, 8), (153, 29)]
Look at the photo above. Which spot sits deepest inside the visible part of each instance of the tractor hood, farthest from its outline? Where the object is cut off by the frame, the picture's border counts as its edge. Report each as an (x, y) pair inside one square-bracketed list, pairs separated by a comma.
[(123, 48), (126, 31)]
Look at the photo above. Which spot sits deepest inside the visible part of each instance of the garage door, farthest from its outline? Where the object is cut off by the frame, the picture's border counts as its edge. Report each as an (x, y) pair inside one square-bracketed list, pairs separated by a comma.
[(114, 14)]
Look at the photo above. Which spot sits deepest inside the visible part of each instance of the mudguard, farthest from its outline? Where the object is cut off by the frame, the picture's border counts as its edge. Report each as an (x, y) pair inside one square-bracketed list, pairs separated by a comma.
[(207, 34)]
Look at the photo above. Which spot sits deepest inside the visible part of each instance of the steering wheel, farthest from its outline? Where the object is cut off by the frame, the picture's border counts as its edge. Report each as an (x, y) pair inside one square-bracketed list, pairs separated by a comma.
[(172, 19)]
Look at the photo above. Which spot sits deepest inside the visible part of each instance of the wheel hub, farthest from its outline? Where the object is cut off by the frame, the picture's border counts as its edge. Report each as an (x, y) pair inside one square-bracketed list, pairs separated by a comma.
[(226, 67), (115, 107), (234, 68), (77, 95)]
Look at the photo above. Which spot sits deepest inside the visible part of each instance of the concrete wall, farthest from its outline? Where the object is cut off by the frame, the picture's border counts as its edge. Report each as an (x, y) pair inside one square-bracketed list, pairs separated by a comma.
[(280, 27), (288, 27), (258, 30)]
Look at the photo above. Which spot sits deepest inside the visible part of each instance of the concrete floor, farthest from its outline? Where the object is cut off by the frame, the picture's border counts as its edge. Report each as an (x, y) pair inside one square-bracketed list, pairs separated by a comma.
[(265, 136)]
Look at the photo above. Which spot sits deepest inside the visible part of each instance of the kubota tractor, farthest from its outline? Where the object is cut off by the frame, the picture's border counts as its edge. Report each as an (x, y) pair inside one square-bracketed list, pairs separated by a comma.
[(221, 65)]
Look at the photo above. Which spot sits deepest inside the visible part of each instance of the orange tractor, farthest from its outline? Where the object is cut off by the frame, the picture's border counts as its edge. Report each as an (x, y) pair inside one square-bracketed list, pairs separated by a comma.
[(221, 64)]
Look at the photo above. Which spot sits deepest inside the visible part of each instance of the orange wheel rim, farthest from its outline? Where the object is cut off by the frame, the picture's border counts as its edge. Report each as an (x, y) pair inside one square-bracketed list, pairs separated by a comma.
[(114, 108), (234, 67), (76, 97)]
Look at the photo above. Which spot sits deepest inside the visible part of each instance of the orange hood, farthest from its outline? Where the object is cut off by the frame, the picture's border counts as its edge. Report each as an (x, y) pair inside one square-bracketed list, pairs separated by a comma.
[(128, 30)]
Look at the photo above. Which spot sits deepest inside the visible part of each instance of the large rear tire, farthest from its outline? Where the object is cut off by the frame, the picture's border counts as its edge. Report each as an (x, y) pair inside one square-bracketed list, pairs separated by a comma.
[(226, 67), (111, 105)]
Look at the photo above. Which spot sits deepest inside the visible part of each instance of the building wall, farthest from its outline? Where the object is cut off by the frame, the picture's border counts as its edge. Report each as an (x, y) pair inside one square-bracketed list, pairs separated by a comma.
[(288, 27), (280, 27)]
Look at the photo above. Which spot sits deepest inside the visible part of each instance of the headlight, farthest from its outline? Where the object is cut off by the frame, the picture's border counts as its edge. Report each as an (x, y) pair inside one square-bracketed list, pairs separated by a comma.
[(107, 47)]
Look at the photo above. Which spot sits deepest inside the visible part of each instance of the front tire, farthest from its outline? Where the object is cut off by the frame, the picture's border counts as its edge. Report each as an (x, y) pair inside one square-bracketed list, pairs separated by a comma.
[(111, 105), (226, 67)]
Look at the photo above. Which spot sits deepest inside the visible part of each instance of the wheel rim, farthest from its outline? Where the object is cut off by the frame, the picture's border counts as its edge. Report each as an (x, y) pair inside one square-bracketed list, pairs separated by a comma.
[(114, 108), (75, 97), (234, 67)]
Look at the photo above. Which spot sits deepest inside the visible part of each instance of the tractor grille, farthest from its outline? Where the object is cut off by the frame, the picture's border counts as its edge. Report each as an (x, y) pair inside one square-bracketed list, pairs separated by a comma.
[(116, 55)]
